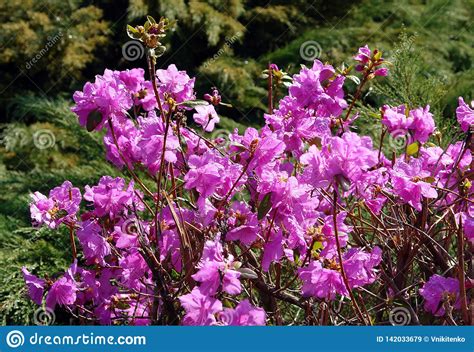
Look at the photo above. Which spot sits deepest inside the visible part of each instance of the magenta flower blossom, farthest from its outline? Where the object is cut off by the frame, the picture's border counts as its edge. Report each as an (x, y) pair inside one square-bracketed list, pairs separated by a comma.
[(423, 124), (315, 88), (439, 290), (134, 271), (243, 315), (200, 308), (151, 142), (132, 79), (396, 119), (419, 122), (244, 223), (63, 292), (343, 160), (467, 220), (206, 116), (94, 245), (229, 221), (359, 266), (204, 173), (111, 198), (363, 55), (61, 205), (320, 282), (108, 95), (369, 61), (35, 286), (273, 250), (127, 136), (465, 114), (215, 271), (259, 150), (408, 181), (176, 84)]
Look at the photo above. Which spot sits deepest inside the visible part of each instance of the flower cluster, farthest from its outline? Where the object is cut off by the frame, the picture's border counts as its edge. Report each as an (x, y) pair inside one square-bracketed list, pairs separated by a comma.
[(300, 212)]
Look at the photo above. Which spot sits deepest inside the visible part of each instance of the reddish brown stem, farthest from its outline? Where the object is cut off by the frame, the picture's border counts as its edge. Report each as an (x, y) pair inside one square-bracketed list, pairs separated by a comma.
[(343, 272)]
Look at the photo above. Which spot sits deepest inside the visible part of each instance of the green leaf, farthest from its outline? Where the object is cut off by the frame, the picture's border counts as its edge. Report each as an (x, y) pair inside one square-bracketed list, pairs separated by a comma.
[(247, 273), (412, 149), (264, 206), (193, 103), (354, 79), (317, 246), (151, 19), (93, 120), (429, 179), (132, 32)]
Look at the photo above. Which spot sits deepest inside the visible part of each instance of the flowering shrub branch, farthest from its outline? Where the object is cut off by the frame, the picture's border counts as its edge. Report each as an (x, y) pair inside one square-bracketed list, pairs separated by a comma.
[(301, 222)]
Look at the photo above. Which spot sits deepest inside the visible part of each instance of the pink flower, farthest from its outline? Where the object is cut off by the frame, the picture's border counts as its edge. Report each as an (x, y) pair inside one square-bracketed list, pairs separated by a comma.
[(108, 95), (423, 124), (176, 84), (244, 223), (408, 181), (243, 315), (439, 290), (395, 119), (111, 198), (273, 250), (206, 116), (465, 114), (135, 272), (315, 88), (369, 61), (127, 136), (204, 173), (63, 292), (215, 271), (61, 205), (321, 282), (35, 286), (364, 54), (359, 266), (94, 245), (200, 308), (151, 142), (381, 71), (419, 122)]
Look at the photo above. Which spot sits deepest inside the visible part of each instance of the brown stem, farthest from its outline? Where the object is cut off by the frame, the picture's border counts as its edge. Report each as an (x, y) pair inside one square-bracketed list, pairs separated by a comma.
[(270, 89), (343, 272), (461, 275), (73, 243)]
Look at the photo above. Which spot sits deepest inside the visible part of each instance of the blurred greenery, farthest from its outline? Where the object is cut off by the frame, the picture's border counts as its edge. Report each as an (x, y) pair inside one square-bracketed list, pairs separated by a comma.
[(51, 47)]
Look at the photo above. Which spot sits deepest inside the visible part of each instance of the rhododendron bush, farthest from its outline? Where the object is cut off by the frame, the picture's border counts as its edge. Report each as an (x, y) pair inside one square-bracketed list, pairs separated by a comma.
[(303, 221)]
